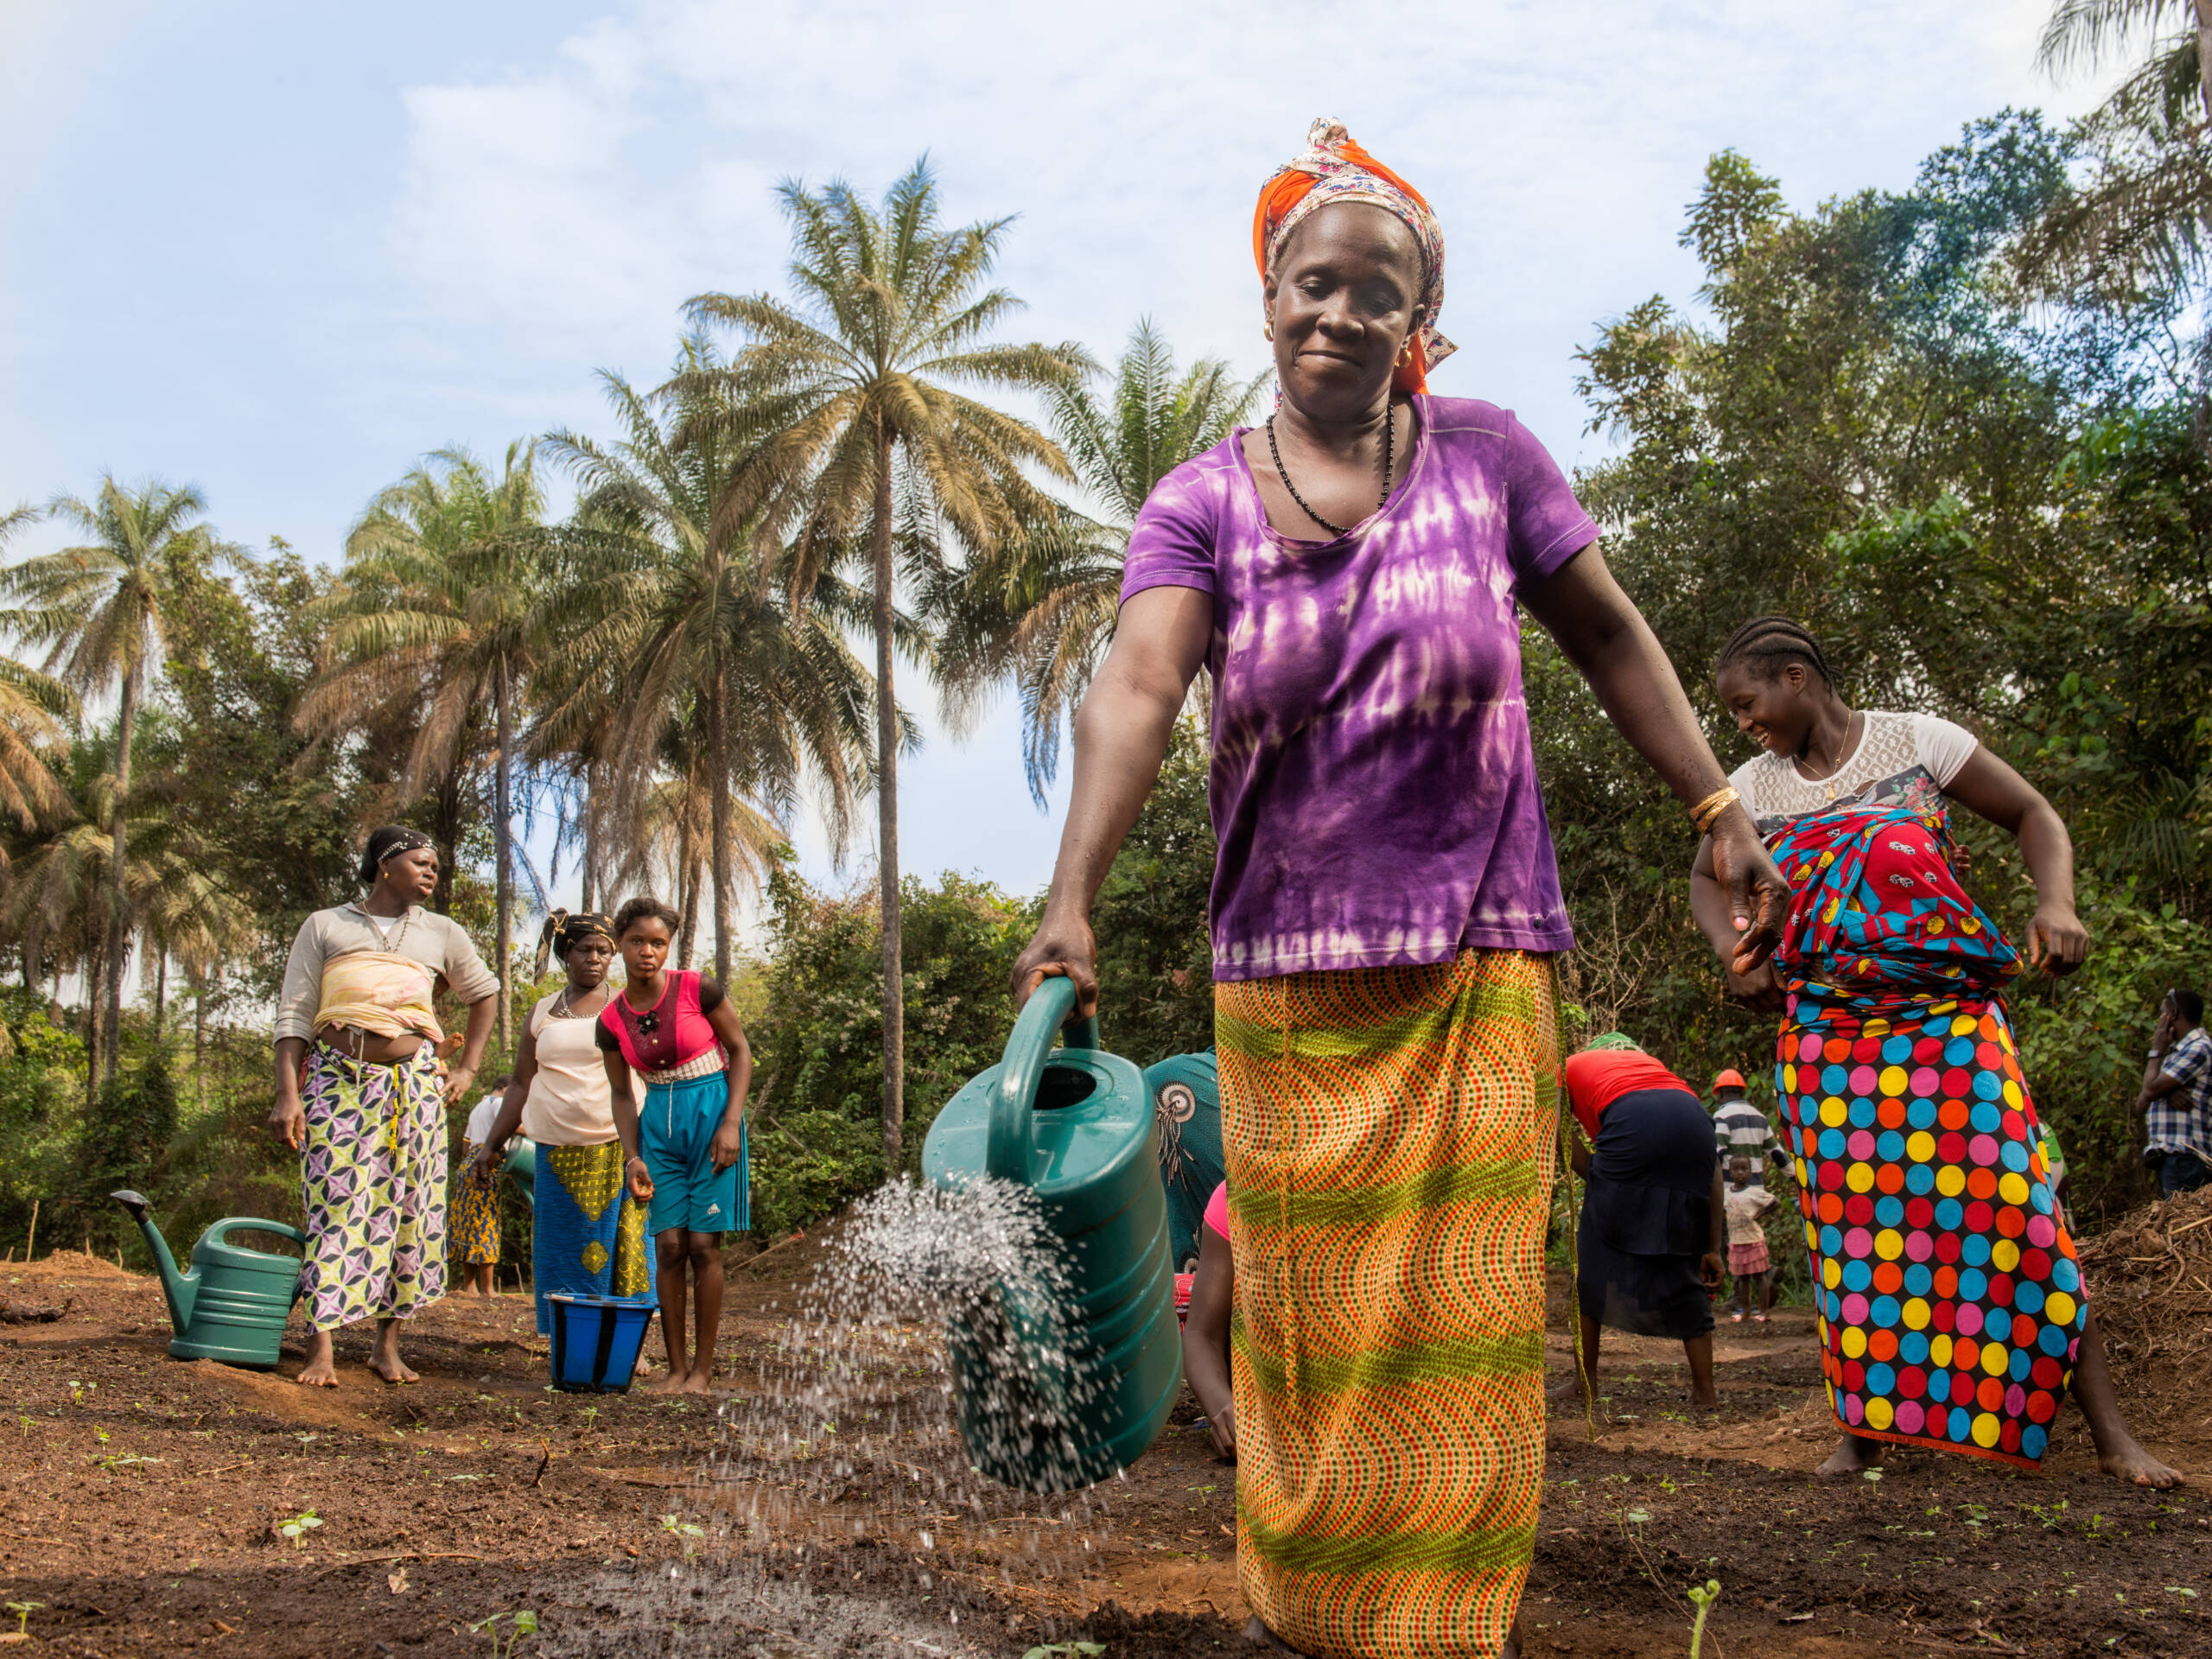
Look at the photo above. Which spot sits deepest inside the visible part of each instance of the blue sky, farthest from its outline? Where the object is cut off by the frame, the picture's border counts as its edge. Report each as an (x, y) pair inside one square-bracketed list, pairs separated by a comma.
[(279, 251)]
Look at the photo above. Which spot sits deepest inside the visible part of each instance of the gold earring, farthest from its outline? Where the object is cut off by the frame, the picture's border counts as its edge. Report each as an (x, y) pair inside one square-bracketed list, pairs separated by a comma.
[(1267, 329)]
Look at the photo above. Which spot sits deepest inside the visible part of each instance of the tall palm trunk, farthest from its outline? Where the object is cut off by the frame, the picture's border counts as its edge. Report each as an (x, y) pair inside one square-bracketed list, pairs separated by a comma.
[(200, 1041), (589, 822), (503, 837), (160, 994), (118, 920), (2204, 52), (887, 820), (718, 801), (95, 1022), (687, 886), (445, 830)]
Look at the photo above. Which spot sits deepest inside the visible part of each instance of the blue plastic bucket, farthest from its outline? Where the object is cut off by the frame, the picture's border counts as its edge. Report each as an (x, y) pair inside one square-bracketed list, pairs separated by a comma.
[(595, 1343)]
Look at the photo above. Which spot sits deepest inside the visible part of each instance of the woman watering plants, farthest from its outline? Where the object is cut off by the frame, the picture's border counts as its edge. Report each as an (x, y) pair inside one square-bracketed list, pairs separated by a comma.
[(362, 1092), (1952, 1314), (1385, 905), (684, 1148), (587, 1237)]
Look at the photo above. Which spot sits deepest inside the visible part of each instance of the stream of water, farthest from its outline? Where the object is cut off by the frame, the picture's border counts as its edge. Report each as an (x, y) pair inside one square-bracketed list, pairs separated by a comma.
[(841, 1512)]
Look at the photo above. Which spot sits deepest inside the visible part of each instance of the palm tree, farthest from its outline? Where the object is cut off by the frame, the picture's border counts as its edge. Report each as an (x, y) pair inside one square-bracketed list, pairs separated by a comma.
[(447, 605), (100, 609), (1043, 606), (694, 656), (31, 707), (854, 393), (2146, 212)]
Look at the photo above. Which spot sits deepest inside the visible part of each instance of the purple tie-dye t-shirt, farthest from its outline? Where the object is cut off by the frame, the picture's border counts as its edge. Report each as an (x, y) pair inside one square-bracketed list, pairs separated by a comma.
[(1374, 791)]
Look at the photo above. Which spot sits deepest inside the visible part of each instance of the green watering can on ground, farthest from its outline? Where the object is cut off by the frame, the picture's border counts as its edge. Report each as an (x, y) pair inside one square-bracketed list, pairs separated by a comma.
[(233, 1305), (1074, 1125)]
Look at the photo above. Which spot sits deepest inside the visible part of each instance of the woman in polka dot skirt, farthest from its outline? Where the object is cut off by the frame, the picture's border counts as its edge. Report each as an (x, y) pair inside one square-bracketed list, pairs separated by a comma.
[(1951, 1309)]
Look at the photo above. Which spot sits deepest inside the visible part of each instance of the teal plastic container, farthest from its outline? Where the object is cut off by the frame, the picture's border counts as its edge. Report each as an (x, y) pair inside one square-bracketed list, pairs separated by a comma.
[(1074, 1124), (1186, 1091), (522, 1163), (233, 1305)]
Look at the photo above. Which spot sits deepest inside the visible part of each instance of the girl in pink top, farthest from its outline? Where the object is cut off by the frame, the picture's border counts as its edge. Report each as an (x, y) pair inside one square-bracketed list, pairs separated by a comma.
[(1205, 1333), (685, 1146)]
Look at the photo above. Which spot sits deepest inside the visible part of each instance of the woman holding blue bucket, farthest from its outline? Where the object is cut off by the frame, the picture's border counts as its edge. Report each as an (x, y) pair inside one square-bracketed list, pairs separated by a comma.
[(589, 1236), (685, 1147)]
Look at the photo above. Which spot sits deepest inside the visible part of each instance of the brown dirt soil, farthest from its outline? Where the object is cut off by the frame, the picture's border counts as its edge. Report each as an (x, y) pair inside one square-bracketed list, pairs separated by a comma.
[(140, 1493)]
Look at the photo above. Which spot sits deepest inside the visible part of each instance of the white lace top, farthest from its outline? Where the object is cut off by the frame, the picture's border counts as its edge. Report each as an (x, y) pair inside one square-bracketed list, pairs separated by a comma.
[(1902, 759)]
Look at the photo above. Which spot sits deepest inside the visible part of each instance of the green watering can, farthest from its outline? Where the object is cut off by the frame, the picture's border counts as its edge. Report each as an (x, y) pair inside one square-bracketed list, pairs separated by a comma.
[(233, 1305), (522, 1163), (1075, 1125)]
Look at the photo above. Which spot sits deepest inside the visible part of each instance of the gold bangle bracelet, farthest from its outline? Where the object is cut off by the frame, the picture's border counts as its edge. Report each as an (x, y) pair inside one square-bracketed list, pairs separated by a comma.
[(1707, 811)]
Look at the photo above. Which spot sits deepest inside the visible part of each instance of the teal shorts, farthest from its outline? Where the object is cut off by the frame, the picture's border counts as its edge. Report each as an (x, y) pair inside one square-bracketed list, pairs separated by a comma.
[(675, 1132)]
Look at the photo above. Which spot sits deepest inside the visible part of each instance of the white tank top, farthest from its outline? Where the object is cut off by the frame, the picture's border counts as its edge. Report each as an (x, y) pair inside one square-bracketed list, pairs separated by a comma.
[(569, 1103)]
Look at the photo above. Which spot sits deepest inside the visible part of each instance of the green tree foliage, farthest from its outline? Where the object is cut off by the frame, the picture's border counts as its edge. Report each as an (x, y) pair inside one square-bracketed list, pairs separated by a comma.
[(1979, 503), (1155, 954)]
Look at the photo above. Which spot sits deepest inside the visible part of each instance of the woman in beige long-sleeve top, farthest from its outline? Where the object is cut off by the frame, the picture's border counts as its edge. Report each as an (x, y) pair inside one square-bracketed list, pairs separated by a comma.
[(362, 1088)]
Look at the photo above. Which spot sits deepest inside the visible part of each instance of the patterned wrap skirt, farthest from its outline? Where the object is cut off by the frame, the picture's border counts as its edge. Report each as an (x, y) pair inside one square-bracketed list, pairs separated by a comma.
[(1950, 1297), (475, 1211), (372, 1181), (589, 1238), (1390, 1135)]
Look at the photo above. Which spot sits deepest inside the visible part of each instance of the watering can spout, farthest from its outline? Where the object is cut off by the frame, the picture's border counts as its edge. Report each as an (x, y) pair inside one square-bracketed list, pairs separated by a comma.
[(181, 1289)]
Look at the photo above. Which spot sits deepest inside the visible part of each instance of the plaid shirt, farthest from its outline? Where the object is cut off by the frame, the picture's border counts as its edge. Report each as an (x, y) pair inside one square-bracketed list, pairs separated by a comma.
[(2177, 1122)]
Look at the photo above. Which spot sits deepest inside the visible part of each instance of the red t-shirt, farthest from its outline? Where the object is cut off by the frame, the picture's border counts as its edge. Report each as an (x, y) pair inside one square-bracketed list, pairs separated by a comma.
[(1597, 1077)]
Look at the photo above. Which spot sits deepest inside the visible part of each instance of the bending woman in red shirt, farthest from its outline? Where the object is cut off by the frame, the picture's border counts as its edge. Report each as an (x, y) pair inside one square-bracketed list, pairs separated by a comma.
[(1648, 1242)]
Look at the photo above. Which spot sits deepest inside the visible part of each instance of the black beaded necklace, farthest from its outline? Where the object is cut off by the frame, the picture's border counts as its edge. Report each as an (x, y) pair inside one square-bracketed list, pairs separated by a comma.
[(1389, 460)]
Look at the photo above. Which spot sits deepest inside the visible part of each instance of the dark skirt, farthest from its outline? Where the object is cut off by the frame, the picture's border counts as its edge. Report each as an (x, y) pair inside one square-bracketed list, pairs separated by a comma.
[(1646, 1217)]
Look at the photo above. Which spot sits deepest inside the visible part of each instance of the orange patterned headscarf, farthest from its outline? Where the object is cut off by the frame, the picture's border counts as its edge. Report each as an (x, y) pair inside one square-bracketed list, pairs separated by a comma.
[(1333, 169)]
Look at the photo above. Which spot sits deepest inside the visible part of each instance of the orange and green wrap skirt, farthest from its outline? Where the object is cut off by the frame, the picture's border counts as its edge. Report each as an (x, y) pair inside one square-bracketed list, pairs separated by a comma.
[(1390, 1138)]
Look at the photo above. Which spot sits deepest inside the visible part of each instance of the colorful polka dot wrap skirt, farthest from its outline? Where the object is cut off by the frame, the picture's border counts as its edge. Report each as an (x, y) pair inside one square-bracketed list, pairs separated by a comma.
[(1949, 1296)]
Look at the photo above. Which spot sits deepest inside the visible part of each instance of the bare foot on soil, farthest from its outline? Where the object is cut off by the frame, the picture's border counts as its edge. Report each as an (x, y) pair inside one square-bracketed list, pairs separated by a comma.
[(1261, 1636), (1853, 1455), (1709, 1401), (2129, 1461), (697, 1383), (671, 1384), (394, 1370), (1566, 1389), (321, 1369)]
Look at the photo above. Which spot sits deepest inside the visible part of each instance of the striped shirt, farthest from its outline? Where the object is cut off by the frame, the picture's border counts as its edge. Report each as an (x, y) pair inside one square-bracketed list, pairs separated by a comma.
[(1738, 1127)]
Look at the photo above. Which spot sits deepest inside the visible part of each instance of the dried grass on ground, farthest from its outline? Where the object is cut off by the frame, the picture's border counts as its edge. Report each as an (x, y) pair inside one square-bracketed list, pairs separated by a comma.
[(2150, 1279)]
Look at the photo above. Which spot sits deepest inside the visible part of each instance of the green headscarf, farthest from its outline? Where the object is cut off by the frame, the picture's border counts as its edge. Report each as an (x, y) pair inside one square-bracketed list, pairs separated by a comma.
[(1615, 1039)]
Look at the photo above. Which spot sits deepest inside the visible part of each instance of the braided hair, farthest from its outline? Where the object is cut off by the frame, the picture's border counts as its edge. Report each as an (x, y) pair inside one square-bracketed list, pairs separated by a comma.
[(1766, 645)]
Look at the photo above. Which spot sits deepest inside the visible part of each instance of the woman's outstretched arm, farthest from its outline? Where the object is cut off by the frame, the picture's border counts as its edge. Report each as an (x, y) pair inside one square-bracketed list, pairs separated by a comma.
[(1987, 787), (1120, 737), (1605, 637)]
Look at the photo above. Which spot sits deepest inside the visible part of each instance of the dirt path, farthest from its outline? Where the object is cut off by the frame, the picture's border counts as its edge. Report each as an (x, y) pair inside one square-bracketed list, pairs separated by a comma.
[(141, 1495)]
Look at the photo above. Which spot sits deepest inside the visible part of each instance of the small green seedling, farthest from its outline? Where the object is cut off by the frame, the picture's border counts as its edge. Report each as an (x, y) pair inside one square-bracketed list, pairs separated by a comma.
[(690, 1533), (22, 1610), (296, 1527), (1067, 1650), (1703, 1597), (521, 1622)]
